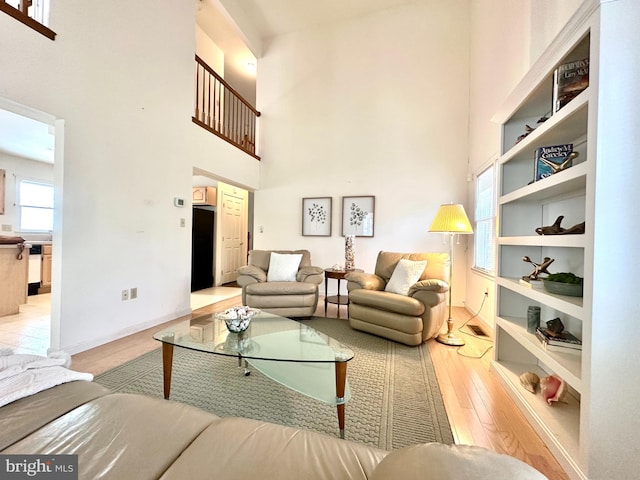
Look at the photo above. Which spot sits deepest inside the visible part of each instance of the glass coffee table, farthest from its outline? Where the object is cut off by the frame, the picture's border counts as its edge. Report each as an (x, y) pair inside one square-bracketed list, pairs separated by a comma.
[(289, 352)]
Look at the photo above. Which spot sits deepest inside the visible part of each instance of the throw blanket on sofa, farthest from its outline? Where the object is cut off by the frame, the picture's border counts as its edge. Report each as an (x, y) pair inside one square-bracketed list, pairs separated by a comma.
[(22, 375)]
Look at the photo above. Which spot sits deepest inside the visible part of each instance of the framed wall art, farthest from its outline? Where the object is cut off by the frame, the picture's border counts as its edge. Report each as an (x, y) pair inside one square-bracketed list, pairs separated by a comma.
[(316, 217), (358, 215)]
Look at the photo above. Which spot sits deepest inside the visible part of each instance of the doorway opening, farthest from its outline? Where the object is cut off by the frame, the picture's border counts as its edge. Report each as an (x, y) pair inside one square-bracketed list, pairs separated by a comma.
[(28, 157), (220, 237)]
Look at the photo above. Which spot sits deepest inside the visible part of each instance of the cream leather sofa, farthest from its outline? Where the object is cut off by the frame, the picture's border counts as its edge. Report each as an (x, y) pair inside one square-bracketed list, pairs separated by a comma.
[(287, 299), (124, 436), (411, 319)]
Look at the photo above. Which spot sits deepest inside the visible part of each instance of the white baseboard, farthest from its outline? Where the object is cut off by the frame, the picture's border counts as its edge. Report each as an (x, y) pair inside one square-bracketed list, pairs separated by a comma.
[(97, 342)]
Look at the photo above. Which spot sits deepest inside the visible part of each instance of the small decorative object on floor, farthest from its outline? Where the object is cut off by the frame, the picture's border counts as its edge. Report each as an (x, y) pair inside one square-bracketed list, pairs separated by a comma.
[(237, 319), (530, 381), (349, 253), (556, 229), (538, 268), (553, 389)]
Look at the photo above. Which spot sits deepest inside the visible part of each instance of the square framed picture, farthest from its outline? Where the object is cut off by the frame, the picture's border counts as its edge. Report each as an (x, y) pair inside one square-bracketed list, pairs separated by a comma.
[(316, 217), (358, 215)]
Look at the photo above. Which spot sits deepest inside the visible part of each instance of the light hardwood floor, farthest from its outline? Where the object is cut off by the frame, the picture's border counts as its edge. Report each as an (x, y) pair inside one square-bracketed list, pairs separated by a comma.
[(479, 409)]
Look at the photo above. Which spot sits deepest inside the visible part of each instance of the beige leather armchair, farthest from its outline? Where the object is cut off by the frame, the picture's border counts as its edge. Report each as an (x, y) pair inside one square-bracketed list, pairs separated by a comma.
[(297, 298), (410, 319)]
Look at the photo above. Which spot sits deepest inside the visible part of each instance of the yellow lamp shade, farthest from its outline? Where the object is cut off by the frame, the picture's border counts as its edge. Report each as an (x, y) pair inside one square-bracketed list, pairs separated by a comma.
[(451, 218)]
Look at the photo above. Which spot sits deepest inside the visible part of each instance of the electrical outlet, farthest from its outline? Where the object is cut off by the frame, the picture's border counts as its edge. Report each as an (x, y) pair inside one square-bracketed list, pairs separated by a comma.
[(125, 295), (133, 293)]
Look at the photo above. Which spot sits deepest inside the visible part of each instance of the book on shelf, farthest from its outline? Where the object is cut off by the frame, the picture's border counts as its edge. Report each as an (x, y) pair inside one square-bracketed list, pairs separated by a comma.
[(561, 349), (569, 79), (550, 159), (563, 339)]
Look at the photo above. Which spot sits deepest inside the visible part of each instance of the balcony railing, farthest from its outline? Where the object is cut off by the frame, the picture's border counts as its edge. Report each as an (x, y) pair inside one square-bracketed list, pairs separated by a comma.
[(33, 13), (223, 111)]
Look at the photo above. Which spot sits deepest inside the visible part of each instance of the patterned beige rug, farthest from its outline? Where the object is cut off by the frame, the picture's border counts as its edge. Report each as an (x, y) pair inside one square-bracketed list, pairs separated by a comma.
[(395, 399)]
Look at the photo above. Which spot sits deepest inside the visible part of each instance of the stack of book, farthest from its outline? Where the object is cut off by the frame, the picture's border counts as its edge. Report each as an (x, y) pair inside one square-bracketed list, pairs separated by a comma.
[(563, 342)]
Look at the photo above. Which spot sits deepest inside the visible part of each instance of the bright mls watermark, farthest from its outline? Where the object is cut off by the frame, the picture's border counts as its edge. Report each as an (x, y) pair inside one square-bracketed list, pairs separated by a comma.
[(52, 467)]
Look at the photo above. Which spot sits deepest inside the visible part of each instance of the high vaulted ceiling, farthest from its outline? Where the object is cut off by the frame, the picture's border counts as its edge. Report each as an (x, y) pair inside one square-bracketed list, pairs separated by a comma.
[(271, 18), (268, 18)]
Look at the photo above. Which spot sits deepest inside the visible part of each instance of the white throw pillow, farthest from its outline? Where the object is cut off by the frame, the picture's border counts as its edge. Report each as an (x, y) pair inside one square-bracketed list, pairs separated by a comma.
[(406, 273), (283, 267)]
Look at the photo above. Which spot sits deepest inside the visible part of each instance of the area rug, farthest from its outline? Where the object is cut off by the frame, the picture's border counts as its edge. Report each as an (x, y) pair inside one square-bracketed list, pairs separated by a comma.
[(395, 399)]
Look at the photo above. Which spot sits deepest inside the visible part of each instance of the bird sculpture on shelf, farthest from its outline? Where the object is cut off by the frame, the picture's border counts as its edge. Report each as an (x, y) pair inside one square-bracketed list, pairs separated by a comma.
[(556, 229), (538, 268)]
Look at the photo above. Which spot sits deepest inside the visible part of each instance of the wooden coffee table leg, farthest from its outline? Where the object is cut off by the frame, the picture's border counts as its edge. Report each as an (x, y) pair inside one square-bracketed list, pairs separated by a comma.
[(341, 381), (167, 365)]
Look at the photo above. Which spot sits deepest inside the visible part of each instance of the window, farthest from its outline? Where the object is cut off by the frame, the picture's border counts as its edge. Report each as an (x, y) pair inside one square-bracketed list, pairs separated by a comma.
[(485, 217), (35, 206)]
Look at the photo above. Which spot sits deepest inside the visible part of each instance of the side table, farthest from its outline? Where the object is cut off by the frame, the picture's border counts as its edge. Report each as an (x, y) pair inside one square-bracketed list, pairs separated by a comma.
[(336, 299)]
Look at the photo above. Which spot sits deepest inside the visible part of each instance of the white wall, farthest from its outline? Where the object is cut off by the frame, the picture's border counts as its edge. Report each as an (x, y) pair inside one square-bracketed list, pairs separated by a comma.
[(16, 168), (373, 106), (506, 39), (209, 51), (119, 77)]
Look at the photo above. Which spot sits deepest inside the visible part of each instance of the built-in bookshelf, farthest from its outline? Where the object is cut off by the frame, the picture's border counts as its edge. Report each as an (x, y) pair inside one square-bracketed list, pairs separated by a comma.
[(524, 205)]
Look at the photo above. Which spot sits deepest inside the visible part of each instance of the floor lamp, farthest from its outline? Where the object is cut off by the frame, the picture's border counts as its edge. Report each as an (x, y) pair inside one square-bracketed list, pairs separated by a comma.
[(453, 220)]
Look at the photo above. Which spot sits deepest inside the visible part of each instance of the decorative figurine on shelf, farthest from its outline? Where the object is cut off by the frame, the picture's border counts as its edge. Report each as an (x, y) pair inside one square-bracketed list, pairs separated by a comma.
[(538, 268), (530, 381), (553, 389), (556, 229), (555, 326), (528, 129)]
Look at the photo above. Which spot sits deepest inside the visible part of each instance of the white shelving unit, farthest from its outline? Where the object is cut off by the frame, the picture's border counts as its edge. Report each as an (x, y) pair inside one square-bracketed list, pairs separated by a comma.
[(524, 205)]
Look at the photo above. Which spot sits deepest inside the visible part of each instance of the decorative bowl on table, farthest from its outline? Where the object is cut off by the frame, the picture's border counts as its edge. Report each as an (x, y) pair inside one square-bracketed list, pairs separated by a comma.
[(237, 319)]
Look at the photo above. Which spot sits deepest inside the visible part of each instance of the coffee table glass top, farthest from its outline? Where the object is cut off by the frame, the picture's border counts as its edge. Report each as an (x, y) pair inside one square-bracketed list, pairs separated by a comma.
[(287, 351)]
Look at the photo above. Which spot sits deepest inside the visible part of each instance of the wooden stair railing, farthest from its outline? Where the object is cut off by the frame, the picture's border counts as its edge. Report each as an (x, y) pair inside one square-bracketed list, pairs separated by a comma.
[(19, 9), (222, 111)]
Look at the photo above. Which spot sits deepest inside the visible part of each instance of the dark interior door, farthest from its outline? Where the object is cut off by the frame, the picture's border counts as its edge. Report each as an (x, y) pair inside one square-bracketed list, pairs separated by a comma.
[(202, 249)]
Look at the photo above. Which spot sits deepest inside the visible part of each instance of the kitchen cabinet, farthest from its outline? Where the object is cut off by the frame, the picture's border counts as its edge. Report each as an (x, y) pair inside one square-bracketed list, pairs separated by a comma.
[(45, 269), (13, 278), (205, 196)]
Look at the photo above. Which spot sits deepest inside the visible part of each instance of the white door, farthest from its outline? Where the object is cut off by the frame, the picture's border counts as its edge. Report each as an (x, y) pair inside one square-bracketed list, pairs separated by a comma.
[(233, 231)]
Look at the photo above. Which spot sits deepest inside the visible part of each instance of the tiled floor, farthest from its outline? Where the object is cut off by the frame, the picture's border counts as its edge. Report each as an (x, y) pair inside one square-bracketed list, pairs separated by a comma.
[(202, 298), (29, 332)]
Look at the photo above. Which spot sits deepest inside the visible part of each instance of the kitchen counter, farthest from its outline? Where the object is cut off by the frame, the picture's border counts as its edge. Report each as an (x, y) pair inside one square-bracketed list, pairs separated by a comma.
[(13, 279)]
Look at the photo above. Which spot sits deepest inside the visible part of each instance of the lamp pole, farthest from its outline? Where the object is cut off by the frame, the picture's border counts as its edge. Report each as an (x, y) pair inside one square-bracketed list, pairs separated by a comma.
[(449, 338)]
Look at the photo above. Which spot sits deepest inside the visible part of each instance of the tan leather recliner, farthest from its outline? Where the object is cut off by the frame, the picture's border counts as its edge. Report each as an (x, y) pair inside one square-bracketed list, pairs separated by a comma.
[(287, 299), (410, 319)]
